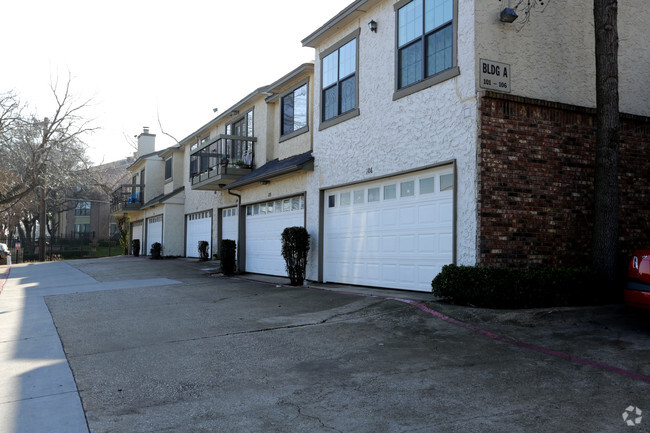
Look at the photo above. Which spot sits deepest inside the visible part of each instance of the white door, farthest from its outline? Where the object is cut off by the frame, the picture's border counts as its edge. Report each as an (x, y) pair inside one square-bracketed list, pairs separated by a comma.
[(198, 228), (265, 223), (394, 233), (154, 232), (137, 234)]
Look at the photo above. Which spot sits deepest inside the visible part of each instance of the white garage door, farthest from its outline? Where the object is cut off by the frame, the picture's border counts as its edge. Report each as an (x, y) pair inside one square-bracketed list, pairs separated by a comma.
[(394, 233), (198, 228), (264, 225), (137, 234), (154, 232), (229, 224)]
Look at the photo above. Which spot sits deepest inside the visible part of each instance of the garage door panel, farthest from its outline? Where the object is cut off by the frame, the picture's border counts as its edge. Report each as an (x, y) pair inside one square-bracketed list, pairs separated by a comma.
[(264, 234), (400, 239)]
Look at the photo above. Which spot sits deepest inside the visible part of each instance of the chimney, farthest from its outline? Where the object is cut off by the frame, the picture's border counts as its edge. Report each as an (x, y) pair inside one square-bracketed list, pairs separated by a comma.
[(146, 142)]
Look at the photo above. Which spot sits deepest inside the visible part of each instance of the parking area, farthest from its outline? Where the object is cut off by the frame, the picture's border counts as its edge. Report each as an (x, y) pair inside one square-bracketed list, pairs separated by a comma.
[(204, 353)]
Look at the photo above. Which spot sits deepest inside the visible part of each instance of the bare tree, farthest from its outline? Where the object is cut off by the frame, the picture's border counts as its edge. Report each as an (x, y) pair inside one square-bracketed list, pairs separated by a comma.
[(46, 155)]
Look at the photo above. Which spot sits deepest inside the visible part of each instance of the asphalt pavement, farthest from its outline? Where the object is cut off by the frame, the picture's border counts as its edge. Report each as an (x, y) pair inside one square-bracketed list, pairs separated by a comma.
[(134, 345)]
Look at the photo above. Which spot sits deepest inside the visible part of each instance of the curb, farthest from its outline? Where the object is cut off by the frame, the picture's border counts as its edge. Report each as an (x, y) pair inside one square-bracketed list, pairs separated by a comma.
[(3, 278)]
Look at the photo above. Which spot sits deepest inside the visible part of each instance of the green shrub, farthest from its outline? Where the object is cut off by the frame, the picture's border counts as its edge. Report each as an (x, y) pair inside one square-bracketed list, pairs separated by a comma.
[(295, 246), (156, 251), (494, 287), (135, 246), (228, 260), (204, 254)]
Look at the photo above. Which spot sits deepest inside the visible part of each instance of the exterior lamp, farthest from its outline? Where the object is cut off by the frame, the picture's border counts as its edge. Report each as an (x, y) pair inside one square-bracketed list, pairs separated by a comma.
[(508, 14), (372, 25)]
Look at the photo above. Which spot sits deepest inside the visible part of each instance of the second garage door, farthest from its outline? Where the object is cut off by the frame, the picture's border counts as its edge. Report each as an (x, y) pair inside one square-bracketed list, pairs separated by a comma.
[(199, 228), (154, 231), (394, 233), (264, 225)]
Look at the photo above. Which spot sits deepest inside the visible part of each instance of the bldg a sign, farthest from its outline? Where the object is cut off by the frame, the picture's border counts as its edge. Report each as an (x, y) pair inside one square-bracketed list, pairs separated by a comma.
[(494, 76)]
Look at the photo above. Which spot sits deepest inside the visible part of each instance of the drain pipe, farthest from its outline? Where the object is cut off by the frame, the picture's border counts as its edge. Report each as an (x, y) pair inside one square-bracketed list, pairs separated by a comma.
[(241, 258)]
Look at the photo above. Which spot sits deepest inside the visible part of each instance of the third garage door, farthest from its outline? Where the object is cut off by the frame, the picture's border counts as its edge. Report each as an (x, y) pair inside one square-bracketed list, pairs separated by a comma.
[(264, 225), (394, 233)]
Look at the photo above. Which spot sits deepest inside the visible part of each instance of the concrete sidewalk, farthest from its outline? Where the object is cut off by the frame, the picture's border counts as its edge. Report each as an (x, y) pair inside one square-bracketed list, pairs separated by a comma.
[(37, 390)]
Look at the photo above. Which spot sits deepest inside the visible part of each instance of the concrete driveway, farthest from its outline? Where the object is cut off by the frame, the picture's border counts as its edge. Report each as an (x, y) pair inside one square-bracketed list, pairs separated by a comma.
[(163, 346)]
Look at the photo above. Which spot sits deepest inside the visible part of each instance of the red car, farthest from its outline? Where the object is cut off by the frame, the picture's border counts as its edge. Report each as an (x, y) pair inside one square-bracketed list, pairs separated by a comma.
[(637, 291)]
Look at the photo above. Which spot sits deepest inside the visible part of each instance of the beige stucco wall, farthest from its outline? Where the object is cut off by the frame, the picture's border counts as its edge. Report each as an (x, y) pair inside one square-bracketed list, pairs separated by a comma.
[(429, 127), (552, 55)]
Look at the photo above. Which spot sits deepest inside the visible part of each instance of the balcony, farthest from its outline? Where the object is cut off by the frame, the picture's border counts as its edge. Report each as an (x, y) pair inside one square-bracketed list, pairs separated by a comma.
[(220, 162), (127, 197)]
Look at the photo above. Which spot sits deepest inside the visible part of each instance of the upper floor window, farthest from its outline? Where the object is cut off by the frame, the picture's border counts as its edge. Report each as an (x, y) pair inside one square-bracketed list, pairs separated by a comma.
[(294, 111), (82, 208), (242, 127), (339, 95), (425, 42), (168, 169)]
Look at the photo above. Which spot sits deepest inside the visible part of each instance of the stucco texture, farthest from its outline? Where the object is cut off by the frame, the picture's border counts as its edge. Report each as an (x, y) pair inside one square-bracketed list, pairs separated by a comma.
[(429, 127), (552, 54)]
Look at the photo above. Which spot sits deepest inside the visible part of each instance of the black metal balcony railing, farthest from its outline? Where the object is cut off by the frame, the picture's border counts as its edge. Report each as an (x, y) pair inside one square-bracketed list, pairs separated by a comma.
[(127, 197), (221, 161)]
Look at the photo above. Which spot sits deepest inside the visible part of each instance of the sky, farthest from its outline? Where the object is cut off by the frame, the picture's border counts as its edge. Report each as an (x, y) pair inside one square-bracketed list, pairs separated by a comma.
[(143, 60)]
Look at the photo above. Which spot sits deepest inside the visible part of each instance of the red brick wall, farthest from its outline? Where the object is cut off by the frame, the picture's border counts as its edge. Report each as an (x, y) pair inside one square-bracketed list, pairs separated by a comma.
[(536, 165)]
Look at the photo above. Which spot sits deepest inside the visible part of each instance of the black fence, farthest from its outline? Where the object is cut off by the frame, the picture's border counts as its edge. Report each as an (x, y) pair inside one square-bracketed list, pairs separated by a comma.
[(63, 249)]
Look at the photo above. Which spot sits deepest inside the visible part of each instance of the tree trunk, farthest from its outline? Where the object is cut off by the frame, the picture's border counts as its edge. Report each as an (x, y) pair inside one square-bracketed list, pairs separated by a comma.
[(605, 235), (42, 227)]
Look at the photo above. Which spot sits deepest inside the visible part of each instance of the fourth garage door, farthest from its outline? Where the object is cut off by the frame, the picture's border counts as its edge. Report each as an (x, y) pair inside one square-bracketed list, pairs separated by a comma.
[(394, 233), (264, 225)]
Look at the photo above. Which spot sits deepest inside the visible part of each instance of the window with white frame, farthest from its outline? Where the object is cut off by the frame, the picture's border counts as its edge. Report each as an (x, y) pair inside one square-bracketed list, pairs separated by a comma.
[(425, 40)]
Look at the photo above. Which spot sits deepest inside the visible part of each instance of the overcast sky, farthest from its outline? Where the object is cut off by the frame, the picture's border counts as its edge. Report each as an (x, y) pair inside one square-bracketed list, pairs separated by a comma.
[(137, 58)]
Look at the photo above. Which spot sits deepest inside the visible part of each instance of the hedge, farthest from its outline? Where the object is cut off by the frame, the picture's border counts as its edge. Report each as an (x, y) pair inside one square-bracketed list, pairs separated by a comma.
[(497, 287)]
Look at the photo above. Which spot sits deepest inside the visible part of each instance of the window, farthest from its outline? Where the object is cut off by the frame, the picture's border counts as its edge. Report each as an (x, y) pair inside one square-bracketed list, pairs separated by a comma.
[(390, 192), (446, 182), (82, 208), (242, 127), (425, 43), (427, 186), (294, 111), (359, 196), (168, 169), (373, 194), (407, 189), (82, 230), (339, 82)]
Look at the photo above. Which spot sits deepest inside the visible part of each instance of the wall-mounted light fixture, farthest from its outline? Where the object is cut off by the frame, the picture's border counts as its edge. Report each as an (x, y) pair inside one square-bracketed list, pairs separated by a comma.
[(508, 14), (372, 25), (234, 113)]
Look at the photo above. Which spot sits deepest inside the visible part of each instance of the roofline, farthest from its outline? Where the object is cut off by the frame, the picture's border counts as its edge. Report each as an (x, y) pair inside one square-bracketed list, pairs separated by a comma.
[(304, 69), (314, 39), (246, 100)]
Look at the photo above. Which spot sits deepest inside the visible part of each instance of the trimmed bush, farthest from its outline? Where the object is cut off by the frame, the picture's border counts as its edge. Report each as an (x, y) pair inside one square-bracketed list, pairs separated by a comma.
[(156, 251), (204, 254), (135, 246), (494, 287), (228, 259), (295, 246)]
